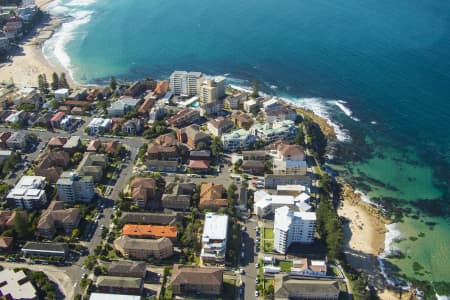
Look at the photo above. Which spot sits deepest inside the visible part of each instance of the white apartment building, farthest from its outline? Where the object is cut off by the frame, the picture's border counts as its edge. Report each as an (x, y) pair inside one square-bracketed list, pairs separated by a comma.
[(292, 227), (266, 204), (237, 140), (29, 193), (74, 188), (278, 130), (214, 238), (183, 83), (99, 125)]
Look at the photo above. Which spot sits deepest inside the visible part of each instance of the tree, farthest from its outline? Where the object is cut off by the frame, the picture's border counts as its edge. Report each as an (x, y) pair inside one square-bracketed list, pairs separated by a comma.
[(21, 227), (201, 146), (63, 81), (55, 81), (75, 233), (41, 84), (113, 83), (216, 146), (255, 92)]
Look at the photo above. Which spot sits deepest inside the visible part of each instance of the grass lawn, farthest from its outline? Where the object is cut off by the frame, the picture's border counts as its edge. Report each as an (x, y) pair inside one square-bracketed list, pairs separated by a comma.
[(285, 265), (268, 245), (268, 233)]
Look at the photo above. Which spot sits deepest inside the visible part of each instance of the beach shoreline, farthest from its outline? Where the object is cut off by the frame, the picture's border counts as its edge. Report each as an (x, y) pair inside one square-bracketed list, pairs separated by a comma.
[(27, 60)]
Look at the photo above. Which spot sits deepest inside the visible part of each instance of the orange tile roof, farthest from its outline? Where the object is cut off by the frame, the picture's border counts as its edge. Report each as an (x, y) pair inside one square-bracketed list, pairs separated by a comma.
[(156, 231)]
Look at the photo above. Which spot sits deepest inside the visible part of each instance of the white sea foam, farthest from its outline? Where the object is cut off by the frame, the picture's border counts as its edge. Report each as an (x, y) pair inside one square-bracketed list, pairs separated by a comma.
[(365, 198), (273, 86), (79, 3), (373, 122), (347, 111), (392, 234)]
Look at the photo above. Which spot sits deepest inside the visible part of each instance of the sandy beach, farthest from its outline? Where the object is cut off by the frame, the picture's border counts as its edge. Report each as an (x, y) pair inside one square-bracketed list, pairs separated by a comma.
[(27, 60)]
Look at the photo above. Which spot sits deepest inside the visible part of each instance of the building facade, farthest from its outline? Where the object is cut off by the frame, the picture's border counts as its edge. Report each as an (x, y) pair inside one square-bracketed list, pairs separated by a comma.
[(74, 188)]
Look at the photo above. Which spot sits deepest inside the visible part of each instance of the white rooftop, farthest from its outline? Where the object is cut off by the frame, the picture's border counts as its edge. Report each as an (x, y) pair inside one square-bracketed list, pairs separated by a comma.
[(13, 288), (215, 227)]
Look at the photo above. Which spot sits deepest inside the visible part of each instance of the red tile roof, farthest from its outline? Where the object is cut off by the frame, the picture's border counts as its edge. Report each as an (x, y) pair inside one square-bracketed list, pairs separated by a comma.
[(198, 164)]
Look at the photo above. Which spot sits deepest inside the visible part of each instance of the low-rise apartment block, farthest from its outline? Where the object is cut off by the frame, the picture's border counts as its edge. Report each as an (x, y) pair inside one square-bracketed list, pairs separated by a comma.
[(29, 193), (237, 140), (57, 217), (214, 238), (198, 281), (144, 248)]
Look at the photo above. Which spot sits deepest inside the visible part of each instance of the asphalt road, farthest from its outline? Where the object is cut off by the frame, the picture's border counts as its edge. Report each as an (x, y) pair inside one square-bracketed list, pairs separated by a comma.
[(248, 262)]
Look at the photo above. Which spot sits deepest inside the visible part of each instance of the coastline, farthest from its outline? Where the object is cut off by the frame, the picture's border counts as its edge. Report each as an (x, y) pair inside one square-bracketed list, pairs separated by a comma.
[(27, 60)]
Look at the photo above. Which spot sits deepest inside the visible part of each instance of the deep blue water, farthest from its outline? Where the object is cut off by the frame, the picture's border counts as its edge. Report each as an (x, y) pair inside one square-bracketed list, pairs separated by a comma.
[(389, 60)]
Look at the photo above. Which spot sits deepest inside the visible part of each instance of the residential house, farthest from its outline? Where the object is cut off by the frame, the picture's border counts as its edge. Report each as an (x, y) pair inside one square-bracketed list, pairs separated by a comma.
[(122, 106), (57, 142), (56, 216), (198, 166), (93, 164), (94, 146), (99, 126), (289, 160), (200, 155), (146, 106), (123, 268), (4, 136), (165, 147), (253, 166), (72, 187), (73, 144), (271, 181), (144, 248), (18, 140), (133, 126), (15, 285), (162, 165), (52, 165), (214, 238), (150, 231), (254, 155), (109, 296), (156, 218), (45, 249), (292, 227), (242, 120), (193, 136), (184, 118), (6, 243), (120, 285), (143, 192), (211, 196), (278, 130), (308, 267), (55, 121), (237, 140), (279, 113), (29, 193), (220, 125), (287, 287), (8, 218), (196, 281), (112, 147), (180, 197)]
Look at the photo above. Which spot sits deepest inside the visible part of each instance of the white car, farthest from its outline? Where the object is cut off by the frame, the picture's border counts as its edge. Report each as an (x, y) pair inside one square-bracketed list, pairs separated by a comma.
[(256, 293)]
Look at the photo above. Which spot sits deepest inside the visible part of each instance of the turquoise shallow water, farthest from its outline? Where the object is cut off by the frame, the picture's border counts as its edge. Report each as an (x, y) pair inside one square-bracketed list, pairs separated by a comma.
[(388, 60)]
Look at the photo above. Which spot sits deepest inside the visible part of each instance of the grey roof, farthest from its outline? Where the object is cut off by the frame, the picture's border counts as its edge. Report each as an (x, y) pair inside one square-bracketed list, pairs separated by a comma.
[(285, 287), (148, 218), (163, 163), (138, 244), (121, 282), (49, 247), (125, 267), (201, 153)]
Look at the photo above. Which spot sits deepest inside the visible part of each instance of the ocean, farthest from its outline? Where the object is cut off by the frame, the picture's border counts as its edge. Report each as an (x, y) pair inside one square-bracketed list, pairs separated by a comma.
[(378, 70)]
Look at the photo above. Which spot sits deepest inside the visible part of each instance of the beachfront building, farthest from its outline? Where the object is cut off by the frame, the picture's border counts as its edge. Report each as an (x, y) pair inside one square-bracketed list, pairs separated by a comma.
[(292, 227), (266, 204), (29, 193), (72, 187), (183, 83), (214, 238), (289, 160), (211, 90), (278, 130), (237, 140)]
